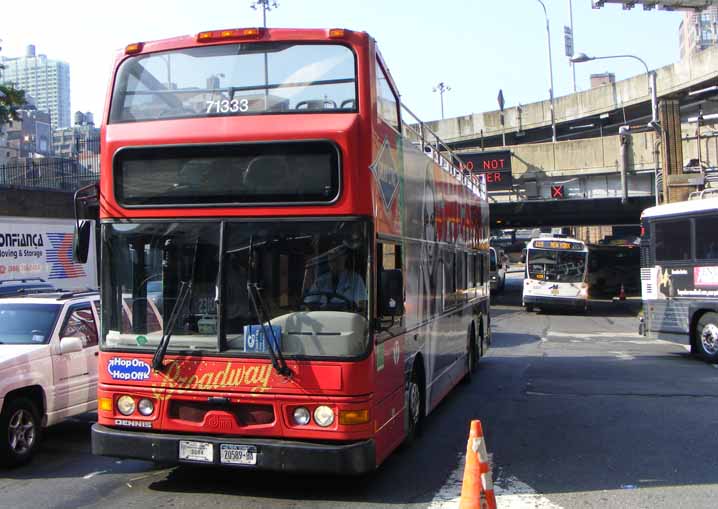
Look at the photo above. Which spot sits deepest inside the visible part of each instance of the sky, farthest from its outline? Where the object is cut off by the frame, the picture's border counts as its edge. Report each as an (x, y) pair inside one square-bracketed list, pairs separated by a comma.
[(476, 47)]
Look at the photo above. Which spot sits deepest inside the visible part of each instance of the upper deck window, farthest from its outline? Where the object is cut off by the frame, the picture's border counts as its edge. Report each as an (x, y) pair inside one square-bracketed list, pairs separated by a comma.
[(235, 79), (387, 103), (249, 173)]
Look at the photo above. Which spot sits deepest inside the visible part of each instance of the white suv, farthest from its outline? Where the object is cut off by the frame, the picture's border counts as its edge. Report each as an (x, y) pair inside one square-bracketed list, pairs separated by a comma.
[(48, 366)]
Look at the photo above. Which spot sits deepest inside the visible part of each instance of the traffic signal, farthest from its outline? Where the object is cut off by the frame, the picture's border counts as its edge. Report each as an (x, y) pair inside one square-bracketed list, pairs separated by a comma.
[(557, 191)]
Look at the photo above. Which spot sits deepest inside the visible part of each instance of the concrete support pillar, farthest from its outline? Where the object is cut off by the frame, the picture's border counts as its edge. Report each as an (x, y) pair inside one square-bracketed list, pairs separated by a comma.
[(672, 148)]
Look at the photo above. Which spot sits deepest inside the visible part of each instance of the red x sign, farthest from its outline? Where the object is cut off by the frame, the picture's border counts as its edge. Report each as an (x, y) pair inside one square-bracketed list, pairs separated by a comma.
[(557, 191)]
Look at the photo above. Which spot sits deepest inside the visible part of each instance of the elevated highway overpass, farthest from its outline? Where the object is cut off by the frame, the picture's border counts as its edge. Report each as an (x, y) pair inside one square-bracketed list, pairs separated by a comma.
[(590, 155)]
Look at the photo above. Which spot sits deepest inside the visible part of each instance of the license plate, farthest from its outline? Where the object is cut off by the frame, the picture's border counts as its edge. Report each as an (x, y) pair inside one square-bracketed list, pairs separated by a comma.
[(238, 454), (196, 451), (554, 291)]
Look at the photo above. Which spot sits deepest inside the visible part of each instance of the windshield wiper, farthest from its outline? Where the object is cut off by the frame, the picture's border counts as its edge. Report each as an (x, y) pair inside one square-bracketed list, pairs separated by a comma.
[(260, 310), (184, 291), (278, 362)]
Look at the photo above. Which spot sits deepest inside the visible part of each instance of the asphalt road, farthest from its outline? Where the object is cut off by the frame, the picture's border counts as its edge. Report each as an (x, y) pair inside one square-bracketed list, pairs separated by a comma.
[(578, 411)]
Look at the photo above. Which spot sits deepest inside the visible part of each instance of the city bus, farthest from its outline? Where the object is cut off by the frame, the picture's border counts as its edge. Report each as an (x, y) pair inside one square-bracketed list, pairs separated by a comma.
[(294, 270), (679, 274), (556, 274)]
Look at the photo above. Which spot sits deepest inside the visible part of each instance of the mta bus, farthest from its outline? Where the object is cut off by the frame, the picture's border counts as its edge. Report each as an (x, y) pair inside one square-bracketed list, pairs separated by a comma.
[(679, 273), (556, 274), (294, 270)]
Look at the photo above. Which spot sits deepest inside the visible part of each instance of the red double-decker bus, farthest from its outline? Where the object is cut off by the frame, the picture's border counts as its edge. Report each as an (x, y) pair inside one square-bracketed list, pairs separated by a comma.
[(294, 272)]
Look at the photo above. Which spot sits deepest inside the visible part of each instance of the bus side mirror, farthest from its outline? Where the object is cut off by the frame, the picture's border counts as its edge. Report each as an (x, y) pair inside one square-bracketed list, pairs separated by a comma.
[(81, 241), (391, 293)]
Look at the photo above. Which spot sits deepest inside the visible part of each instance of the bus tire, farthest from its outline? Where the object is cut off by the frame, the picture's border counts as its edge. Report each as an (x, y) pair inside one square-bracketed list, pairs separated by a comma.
[(415, 402), (706, 340), (19, 431)]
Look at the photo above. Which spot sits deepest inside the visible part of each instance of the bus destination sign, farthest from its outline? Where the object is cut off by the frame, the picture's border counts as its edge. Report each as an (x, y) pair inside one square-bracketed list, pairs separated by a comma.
[(556, 244), (496, 166)]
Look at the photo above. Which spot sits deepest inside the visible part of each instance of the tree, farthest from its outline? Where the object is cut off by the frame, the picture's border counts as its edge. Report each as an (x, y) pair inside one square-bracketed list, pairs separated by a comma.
[(11, 99)]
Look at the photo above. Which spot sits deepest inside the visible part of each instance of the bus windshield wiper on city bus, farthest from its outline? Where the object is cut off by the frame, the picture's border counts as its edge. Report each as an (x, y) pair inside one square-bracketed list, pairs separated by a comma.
[(263, 317), (184, 291)]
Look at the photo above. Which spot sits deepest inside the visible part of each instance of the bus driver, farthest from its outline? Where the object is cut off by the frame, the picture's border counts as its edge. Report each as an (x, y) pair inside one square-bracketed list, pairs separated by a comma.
[(338, 286)]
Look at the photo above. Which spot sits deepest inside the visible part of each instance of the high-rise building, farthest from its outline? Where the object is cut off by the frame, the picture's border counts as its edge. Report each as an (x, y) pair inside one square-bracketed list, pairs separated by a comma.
[(46, 80), (698, 30)]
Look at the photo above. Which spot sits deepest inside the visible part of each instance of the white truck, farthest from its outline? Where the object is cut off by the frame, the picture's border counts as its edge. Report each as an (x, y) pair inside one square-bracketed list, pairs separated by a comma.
[(40, 249)]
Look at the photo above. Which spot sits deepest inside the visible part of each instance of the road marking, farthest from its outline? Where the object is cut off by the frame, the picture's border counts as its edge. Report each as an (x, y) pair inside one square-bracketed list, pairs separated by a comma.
[(595, 334), (510, 492), (514, 494), (93, 474), (624, 356)]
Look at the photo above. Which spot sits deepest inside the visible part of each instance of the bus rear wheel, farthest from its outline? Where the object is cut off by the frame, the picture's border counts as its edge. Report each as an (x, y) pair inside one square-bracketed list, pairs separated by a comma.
[(706, 340), (415, 403)]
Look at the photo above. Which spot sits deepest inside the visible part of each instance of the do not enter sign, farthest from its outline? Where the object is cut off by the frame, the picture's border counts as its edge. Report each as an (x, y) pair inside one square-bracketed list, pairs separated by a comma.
[(496, 166)]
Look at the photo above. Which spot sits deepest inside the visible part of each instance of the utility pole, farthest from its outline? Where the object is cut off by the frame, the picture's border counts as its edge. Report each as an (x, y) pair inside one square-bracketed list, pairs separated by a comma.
[(265, 5), (573, 66), (441, 88), (550, 72)]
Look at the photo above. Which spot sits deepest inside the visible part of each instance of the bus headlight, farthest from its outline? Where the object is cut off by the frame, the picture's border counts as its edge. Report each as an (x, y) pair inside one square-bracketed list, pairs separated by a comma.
[(301, 416), (126, 405), (324, 416), (146, 407)]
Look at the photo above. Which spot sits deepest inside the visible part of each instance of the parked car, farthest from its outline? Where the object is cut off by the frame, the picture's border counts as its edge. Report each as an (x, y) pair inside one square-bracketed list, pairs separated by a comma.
[(20, 286), (497, 269), (48, 366)]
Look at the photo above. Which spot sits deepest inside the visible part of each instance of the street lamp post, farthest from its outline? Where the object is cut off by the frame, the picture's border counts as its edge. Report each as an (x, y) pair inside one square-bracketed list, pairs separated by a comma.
[(265, 5), (550, 71), (651, 78), (441, 88)]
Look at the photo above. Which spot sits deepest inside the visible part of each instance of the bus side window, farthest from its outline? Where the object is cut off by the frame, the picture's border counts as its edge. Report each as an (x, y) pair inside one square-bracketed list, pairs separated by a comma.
[(480, 262), (387, 103), (389, 258), (471, 271), (673, 240), (706, 242)]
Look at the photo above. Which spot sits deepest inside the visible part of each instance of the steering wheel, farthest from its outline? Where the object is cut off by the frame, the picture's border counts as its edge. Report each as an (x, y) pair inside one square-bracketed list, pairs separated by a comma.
[(329, 296)]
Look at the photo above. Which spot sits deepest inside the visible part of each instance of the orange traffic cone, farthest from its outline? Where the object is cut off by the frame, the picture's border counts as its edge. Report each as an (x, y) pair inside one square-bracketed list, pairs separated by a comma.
[(622, 293), (477, 490)]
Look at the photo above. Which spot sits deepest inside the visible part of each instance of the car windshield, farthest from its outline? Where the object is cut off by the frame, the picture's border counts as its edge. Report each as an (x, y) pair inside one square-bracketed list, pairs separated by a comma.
[(556, 266), (27, 324), (235, 79), (307, 279)]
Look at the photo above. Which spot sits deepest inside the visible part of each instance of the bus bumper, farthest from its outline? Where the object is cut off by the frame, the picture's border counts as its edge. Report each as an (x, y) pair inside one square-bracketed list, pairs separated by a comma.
[(562, 302), (275, 454)]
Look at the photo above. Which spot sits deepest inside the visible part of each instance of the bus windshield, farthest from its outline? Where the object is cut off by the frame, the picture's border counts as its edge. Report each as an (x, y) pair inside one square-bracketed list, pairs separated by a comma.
[(306, 279), (556, 266), (235, 79)]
